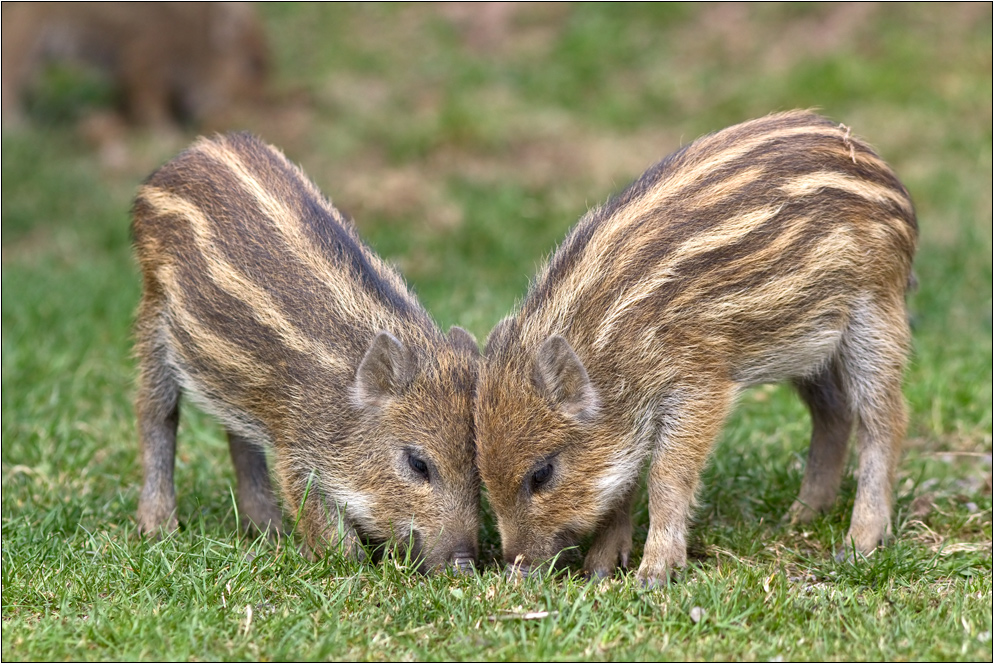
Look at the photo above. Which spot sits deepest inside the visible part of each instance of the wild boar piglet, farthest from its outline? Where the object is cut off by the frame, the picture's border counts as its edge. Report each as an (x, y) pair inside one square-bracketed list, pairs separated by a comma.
[(776, 250), (262, 305)]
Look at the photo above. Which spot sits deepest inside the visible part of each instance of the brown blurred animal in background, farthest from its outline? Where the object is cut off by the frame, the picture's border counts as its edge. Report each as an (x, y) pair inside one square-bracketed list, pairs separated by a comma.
[(170, 62), (776, 250)]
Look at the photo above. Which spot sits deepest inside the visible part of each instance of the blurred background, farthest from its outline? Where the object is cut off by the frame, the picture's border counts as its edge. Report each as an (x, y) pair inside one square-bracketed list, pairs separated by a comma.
[(465, 139)]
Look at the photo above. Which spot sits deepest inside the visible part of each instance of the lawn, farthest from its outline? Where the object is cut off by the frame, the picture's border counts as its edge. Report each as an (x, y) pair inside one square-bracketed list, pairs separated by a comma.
[(465, 142)]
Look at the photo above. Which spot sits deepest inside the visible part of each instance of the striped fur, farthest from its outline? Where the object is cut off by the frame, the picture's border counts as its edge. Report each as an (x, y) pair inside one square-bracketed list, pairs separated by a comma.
[(775, 250), (263, 306)]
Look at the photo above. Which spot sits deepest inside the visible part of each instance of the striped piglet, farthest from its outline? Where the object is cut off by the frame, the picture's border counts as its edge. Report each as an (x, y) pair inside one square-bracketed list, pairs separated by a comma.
[(775, 250), (262, 305)]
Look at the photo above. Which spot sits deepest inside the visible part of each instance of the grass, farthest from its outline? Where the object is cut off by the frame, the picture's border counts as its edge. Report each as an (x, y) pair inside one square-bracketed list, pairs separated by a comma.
[(465, 148)]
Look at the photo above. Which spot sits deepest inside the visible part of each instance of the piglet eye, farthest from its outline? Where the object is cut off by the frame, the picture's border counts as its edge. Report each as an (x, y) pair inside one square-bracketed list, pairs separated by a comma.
[(541, 476), (418, 465)]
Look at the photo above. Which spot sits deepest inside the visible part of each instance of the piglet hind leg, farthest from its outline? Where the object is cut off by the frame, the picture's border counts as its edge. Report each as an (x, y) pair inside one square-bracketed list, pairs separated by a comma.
[(612, 544), (831, 427), (688, 430), (157, 407), (873, 355), (256, 500)]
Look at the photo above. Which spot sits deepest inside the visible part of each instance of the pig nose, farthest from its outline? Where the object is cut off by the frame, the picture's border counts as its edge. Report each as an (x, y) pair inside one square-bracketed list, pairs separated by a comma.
[(463, 562), (518, 569), (463, 557), (515, 572)]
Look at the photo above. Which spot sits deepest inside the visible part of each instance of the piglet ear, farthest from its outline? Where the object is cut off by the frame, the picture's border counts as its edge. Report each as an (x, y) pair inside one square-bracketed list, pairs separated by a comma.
[(463, 340), (385, 371), (562, 378)]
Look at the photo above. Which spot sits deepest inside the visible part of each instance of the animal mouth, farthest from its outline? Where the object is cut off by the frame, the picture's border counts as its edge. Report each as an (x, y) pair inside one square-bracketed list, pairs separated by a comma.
[(411, 548), (564, 552), (464, 563), (518, 569), (522, 567)]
